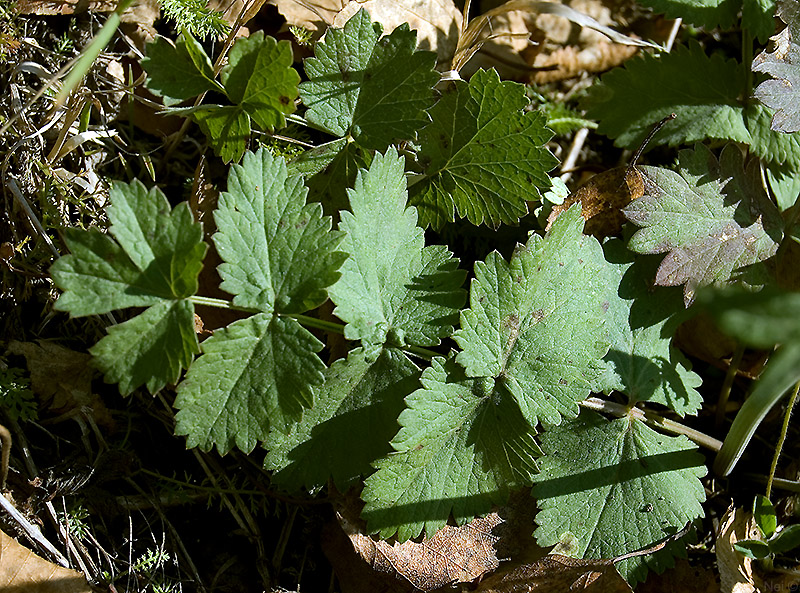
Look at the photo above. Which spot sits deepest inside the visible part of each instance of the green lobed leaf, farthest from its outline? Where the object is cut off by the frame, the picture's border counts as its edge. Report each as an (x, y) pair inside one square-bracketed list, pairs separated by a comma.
[(158, 254), (461, 448), (783, 63), (350, 425), (712, 217), (702, 91), (255, 375), (315, 160), (278, 252), (484, 156), (227, 128), (149, 349), (259, 78), (537, 322), (712, 14), (777, 148), (178, 72), (758, 17), (374, 89), (617, 486), (330, 184), (642, 363), (393, 288)]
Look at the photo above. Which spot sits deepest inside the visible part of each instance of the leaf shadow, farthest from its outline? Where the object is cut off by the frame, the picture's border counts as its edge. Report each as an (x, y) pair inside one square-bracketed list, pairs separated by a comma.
[(642, 377), (617, 473)]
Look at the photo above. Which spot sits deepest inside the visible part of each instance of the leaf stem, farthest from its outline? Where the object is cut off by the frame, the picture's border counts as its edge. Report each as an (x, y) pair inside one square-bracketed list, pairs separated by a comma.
[(305, 320), (652, 419), (421, 352), (220, 304), (781, 439)]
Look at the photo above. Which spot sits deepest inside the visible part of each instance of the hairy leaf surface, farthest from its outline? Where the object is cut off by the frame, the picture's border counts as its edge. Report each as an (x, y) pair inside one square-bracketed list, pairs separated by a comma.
[(353, 419), (642, 363), (254, 375), (178, 72), (484, 157), (227, 128), (150, 349), (712, 217), (756, 17), (259, 78), (462, 446), (374, 89), (158, 254), (279, 253), (617, 487), (393, 288), (537, 322), (702, 91)]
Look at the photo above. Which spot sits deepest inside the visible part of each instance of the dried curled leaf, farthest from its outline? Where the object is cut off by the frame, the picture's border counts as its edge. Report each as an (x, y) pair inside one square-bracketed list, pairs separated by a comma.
[(452, 555)]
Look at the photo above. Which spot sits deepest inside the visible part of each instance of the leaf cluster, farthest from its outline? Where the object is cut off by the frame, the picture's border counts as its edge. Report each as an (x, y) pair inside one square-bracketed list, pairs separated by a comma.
[(442, 398)]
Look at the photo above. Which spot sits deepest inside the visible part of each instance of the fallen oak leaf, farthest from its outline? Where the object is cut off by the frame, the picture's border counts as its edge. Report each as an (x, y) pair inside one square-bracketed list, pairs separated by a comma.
[(22, 570), (556, 573)]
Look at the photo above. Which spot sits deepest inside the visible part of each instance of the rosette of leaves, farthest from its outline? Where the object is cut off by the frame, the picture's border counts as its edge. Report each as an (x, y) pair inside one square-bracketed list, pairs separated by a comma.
[(395, 294), (529, 350)]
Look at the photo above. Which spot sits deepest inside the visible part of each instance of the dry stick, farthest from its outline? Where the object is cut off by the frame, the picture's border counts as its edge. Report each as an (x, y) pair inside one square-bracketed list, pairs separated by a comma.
[(577, 144), (781, 439), (725, 391), (676, 25), (35, 535), (5, 441), (32, 531)]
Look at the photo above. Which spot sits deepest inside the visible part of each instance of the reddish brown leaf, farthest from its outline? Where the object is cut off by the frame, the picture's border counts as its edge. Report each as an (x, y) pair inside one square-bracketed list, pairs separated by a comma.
[(602, 199)]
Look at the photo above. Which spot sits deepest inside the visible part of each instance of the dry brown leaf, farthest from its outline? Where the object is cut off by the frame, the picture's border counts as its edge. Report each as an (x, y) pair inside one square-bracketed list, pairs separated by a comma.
[(558, 574), (602, 198), (436, 22), (23, 571), (572, 61), (62, 378), (735, 571), (44, 7), (452, 555), (314, 15)]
